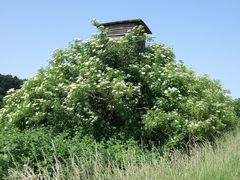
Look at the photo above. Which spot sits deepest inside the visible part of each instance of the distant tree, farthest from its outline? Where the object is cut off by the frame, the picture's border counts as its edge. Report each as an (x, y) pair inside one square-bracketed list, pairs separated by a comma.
[(7, 82), (237, 106)]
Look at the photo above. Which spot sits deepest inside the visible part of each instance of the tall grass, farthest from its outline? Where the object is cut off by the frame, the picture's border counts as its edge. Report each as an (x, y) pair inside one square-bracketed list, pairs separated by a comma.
[(221, 161)]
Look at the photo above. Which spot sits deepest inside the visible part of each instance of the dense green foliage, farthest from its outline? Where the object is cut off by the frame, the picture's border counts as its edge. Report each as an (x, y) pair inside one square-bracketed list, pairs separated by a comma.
[(37, 147), (237, 106), (7, 82), (104, 90), (207, 162)]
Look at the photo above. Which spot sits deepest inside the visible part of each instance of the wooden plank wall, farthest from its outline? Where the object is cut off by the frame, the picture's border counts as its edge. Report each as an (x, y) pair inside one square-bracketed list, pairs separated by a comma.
[(120, 29)]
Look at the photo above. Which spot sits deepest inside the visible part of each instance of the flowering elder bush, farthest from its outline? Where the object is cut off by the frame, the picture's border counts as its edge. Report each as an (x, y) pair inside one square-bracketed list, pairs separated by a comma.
[(107, 88)]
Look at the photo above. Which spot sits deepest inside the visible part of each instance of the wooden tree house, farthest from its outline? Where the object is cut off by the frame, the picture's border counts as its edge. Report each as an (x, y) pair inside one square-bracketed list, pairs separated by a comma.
[(118, 29)]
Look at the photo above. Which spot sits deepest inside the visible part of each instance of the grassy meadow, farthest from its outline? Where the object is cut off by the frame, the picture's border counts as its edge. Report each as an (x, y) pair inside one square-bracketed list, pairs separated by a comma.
[(221, 161)]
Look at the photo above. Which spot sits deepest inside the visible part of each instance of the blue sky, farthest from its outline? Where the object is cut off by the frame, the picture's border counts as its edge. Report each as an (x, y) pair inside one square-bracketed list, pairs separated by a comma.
[(204, 33)]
